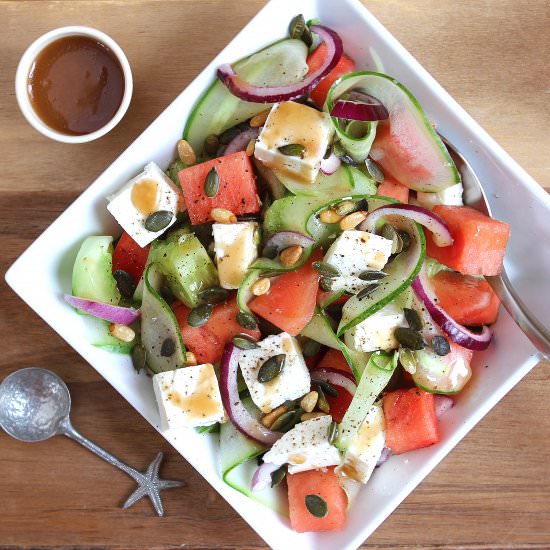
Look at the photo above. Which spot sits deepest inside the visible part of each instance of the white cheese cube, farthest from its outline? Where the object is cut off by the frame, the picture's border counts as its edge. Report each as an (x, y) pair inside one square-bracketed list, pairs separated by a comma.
[(350, 284), (356, 251), (451, 196), (377, 331), (148, 192), (305, 447), (293, 382), (235, 245), (188, 397), (364, 451), (294, 123)]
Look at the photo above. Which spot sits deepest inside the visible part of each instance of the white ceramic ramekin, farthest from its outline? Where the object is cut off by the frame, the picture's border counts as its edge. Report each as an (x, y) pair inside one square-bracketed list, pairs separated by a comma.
[(22, 74)]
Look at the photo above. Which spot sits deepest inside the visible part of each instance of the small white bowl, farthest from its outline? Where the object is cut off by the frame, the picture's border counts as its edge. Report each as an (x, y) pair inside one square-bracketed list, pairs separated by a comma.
[(22, 74)]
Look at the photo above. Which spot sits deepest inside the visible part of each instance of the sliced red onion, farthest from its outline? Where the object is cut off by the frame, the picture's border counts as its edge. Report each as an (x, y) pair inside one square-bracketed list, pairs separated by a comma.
[(442, 404), (108, 312), (384, 456), (366, 112), (272, 94), (238, 414), (441, 234), (330, 165), (455, 331), (283, 239), (335, 378), (262, 476), (240, 141)]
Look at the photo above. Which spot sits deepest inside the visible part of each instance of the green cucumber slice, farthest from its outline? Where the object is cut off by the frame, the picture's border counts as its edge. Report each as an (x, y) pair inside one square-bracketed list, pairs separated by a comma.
[(279, 64), (401, 272), (406, 146), (97, 333), (93, 271), (158, 323), (244, 294), (320, 329), (236, 454), (362, 184), (374, 379)]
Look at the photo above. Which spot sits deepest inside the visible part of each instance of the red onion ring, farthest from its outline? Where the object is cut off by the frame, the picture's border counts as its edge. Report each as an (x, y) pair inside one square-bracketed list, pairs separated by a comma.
[(272, 94), (240, 141), (441, 234), (262, 476), (442, 404), (384, 456), (455, 331), (108, 312), (283, 239), (330, 165), (335, 378), (238, 414), (366, 112)]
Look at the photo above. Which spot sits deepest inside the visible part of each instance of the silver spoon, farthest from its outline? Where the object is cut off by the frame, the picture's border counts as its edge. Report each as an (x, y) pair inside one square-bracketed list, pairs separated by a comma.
[(475, 197), (35, 405)]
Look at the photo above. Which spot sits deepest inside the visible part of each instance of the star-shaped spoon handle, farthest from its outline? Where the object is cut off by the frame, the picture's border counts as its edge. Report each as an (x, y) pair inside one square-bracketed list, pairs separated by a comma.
[(149, 482)]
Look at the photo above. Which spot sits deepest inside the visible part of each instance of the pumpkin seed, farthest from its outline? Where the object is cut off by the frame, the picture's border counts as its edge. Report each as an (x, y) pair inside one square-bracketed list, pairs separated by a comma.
[(372, 275), (271, 368), (199, 315), (168, 347), (292, 150), (157, 221), (316, 506), (211, 144), (389, 232), (277, 476), (246, 320), (214, 295), (325, 284), (322, 403), (405, 239), (413, 319), (139, 357), (243, 341), (299, 30), (212, 183), (310, 347), (326, 386), (281, 423), (124, 283), (325, 269), (307, 37), (374, 171), (369, 289), (348, 207), (440, 345), (407, 360), (332, 432), (409, 338)]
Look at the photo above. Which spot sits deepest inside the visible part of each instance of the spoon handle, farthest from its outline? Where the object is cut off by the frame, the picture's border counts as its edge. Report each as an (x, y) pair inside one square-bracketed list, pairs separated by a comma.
[(66, 428), (520, 313)]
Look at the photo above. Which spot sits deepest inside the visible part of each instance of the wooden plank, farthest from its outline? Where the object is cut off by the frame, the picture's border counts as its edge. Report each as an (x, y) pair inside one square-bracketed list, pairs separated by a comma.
[(491, 492)]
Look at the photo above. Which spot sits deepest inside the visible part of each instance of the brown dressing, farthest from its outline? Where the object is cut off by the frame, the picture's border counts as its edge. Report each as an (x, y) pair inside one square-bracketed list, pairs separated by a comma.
[(76, 85), (145, 196)]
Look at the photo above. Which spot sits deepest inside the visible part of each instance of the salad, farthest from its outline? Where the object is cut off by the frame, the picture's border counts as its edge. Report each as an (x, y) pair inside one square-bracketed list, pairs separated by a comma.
[(303, 283)]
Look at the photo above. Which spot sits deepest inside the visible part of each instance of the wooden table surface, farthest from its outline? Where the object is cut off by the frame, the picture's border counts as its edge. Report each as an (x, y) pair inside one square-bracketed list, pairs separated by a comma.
[(493, 491)]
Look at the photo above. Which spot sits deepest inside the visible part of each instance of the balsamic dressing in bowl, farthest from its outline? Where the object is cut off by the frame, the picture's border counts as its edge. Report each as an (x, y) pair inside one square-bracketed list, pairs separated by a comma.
[(76, 85)]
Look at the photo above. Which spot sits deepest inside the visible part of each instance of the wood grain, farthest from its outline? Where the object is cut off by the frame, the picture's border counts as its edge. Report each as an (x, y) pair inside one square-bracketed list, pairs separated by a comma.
[(492, 492)]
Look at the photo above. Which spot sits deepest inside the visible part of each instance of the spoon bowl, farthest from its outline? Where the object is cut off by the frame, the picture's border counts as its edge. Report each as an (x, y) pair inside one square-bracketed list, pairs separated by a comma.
[(33, 404)]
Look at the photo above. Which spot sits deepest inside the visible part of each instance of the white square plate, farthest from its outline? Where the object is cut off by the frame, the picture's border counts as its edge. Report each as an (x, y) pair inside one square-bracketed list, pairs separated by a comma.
[(511, 356)]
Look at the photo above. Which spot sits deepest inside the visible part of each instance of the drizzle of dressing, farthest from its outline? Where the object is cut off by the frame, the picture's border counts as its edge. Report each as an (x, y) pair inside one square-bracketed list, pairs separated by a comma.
[(145, 196), (233, 269)]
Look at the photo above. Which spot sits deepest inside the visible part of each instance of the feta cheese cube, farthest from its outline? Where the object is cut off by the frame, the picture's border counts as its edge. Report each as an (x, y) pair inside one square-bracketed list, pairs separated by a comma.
[(235, 245), (377, 331), (293, 382), (294, 123), (365, 449), (356, 251), (451, 196), (148, 192), (305, 447), (188, 397)]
